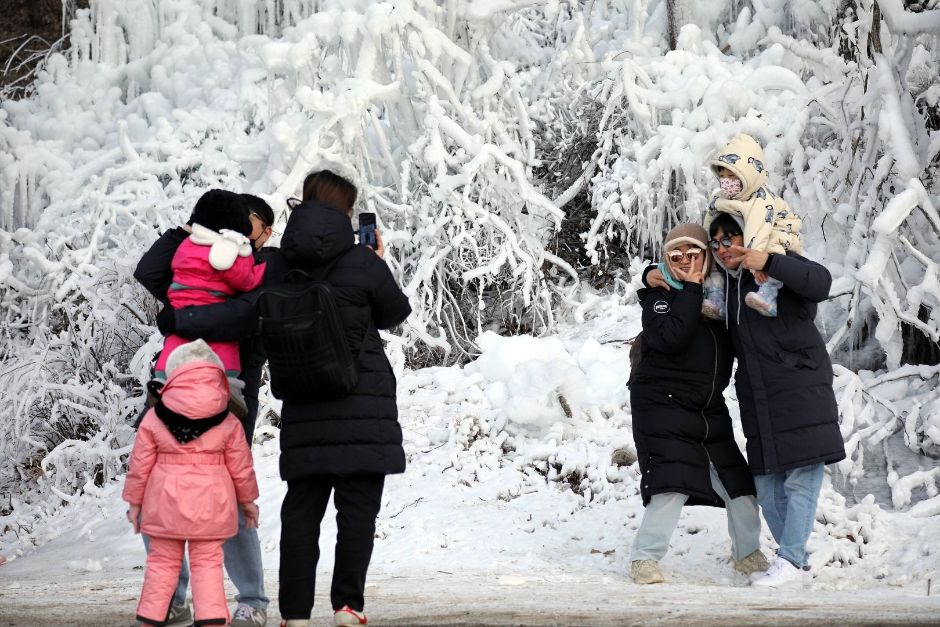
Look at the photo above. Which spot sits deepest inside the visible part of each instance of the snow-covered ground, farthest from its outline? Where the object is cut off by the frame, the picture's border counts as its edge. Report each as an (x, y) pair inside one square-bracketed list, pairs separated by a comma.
[(512, 512)]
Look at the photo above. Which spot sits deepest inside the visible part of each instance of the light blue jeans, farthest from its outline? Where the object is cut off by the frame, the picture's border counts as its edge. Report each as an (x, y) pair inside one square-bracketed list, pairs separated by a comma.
[(788, 501), (242, 563), (662, 514)]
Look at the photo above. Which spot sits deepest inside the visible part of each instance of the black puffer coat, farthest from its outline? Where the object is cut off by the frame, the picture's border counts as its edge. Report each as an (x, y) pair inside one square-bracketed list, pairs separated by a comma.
[(784, 376), (359, 433), (680, 420)]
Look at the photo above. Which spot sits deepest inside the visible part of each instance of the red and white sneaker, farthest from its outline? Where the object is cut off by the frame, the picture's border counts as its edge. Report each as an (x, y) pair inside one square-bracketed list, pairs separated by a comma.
[(348, 616)]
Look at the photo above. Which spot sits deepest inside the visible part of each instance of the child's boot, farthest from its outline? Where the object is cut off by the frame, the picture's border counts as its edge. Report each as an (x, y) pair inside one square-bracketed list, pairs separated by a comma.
[(713, 306), (764, 300)]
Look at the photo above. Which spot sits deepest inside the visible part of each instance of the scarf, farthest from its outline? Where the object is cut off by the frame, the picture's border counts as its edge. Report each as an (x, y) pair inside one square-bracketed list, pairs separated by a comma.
[(186, 429)]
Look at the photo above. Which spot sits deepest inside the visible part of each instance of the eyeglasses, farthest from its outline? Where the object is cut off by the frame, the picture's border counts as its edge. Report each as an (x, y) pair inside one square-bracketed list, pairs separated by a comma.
[(724, 241), (691, 254)]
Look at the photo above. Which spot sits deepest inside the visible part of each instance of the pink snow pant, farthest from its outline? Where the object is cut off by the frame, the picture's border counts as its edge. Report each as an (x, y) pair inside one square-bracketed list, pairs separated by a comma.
[(163, 571)]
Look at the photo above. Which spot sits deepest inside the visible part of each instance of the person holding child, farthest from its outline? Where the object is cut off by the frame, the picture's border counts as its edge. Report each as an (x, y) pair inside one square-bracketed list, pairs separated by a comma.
[(190, 473), (783, 381), (214, 263), (681, 425)]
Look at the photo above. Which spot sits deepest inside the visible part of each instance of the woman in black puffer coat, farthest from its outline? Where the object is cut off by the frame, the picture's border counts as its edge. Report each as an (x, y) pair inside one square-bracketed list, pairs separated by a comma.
[(344, 446), (681, 426)]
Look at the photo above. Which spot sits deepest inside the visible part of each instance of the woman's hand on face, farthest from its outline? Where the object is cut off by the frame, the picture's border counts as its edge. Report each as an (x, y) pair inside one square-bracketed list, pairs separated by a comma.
[(693, 275), (749, 258), (379, 245)]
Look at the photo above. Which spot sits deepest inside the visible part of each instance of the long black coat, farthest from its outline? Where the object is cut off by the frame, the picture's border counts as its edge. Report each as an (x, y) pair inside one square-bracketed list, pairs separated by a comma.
[(680, 420), (784, 377), (358, 433)]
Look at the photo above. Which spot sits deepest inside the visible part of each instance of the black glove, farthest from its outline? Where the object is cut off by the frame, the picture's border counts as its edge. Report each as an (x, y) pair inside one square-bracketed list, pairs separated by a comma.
[(166, 320)]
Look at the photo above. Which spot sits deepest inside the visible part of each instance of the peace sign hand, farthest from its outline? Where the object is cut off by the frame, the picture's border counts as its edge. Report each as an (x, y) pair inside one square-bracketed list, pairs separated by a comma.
[(749, 258)]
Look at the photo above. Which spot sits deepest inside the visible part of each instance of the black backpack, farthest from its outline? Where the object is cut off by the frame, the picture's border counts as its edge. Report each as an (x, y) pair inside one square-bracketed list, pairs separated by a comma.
[(302, 334), (636, 356)]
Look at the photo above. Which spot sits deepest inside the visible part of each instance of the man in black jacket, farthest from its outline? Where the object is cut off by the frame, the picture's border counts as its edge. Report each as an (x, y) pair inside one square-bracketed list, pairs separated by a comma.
[(232, 320), (784, 389)]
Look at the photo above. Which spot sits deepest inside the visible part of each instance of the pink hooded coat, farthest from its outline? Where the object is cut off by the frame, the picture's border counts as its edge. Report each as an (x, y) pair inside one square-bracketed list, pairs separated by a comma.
[(190, 491)]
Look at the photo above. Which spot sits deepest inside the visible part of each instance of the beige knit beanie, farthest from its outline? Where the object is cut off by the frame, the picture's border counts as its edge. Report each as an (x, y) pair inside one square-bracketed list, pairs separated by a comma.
[(689, 233)]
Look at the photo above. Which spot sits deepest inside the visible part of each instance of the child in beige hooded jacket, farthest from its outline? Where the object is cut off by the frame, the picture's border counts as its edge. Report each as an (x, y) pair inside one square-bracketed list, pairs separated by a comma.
[(768, 222)]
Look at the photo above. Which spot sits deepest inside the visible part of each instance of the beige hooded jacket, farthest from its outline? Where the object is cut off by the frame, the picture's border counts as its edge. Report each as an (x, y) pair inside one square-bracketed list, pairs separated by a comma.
[(769, 224)]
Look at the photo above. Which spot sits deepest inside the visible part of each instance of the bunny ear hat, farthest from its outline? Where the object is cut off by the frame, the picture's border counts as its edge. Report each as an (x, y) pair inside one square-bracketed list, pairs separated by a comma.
[(226, 246)]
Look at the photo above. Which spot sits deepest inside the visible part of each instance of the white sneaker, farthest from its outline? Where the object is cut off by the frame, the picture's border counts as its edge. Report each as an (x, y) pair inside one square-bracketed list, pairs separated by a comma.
[(247, 616), (781, 574)]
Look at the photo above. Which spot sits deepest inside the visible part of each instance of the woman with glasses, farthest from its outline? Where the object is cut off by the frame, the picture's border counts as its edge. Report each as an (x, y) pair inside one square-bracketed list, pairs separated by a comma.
[(681, 426)]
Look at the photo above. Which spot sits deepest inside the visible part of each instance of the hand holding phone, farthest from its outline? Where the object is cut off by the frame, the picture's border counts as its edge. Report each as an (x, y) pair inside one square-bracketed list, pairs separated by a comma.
[(367, 229)]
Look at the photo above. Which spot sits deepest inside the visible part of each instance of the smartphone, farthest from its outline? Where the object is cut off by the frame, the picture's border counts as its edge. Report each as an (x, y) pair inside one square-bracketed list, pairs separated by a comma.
[(367, 229)]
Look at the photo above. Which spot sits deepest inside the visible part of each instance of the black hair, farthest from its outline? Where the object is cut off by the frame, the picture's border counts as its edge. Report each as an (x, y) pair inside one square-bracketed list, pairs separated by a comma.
[(218, 209), (727, 224), (260, 208), (330, 188)]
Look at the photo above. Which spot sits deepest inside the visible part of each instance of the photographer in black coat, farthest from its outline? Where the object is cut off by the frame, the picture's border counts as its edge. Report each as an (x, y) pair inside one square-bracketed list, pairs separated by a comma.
[(681, 426), (344, 446)]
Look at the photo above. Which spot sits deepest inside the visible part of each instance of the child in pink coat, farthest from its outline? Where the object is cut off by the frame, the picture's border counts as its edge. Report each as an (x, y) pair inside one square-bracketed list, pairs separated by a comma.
[(212, 264), (190, 472)]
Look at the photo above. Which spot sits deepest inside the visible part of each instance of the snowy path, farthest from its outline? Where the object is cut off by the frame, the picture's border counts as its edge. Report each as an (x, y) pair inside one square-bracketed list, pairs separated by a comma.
[(506, 599)]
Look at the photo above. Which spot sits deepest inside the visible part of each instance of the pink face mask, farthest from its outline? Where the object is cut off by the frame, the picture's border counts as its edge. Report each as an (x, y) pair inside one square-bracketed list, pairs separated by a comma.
[(730, 185)]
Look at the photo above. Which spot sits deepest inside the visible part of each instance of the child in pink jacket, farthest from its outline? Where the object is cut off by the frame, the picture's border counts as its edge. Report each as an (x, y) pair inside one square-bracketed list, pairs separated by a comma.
[(190, 472), (212, 264)]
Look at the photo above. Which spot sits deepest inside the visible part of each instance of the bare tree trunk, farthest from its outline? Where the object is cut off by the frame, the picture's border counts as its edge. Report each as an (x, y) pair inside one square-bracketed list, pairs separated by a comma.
[(671, 26), (874, 37)]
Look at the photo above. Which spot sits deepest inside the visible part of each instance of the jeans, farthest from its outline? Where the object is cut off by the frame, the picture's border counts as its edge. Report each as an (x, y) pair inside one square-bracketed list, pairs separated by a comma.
[(662, 514), (788, 501), (242, 563), (358, 499)]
